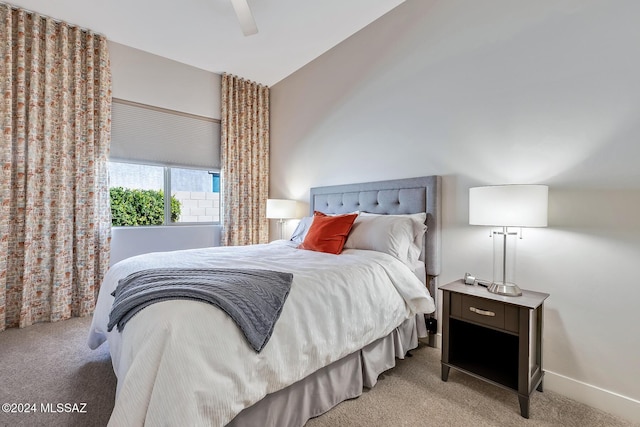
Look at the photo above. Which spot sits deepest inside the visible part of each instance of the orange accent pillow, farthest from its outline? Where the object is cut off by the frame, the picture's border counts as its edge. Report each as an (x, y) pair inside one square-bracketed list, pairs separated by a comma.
[(328, 233)]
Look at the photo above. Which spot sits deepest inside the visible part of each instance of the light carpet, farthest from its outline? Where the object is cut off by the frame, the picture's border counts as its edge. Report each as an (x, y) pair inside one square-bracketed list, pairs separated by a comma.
[(49, 364)]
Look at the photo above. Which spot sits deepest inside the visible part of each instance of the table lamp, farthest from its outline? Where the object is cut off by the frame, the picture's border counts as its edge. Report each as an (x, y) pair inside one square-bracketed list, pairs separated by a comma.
[(281, 209), (507, 206)]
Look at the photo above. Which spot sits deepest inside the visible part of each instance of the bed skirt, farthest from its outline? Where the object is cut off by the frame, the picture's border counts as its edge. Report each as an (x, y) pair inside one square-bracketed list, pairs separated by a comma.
[(342, 380)]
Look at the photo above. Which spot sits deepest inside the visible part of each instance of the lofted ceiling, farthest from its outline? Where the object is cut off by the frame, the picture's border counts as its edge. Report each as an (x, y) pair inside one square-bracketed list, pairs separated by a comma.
[(206, 33)]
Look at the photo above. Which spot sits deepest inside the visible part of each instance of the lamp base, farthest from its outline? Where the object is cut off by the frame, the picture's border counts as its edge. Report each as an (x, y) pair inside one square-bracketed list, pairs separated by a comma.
[(508, 289)]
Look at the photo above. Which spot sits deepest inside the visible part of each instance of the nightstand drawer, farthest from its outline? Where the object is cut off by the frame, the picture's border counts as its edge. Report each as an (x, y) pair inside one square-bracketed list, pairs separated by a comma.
[(483, 311)]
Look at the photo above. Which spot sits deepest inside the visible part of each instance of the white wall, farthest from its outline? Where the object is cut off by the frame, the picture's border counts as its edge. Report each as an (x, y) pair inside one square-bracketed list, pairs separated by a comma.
[(497, 92), (153, 80), (130, 241)]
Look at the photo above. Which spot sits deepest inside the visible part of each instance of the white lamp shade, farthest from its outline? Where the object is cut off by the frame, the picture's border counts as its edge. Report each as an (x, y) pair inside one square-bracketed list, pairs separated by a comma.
[(281, 208), (509, 205)]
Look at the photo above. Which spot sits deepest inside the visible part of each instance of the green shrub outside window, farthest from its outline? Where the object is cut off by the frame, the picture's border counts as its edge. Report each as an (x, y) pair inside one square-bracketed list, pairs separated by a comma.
[(140, 207)]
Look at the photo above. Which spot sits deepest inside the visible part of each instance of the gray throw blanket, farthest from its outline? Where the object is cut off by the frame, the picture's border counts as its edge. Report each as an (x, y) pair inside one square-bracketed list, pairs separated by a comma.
[(252, 298)]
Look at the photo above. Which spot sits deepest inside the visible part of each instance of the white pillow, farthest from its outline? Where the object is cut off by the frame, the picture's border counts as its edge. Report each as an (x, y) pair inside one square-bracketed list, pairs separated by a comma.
[(393, 235), (419, 228), (345, 213), (301, 230)]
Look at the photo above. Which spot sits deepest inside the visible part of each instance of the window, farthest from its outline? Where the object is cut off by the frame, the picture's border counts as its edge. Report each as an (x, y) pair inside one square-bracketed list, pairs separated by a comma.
[(196, 192), (164, 166), (138, 195)]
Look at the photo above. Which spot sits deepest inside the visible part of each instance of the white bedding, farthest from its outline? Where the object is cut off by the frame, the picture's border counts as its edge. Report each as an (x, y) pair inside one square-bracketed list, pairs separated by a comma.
[(186, 363)]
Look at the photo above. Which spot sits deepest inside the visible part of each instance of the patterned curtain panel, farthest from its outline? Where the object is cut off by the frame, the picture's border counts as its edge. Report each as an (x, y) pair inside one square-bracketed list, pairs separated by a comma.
[(54, 219), (244, 153)]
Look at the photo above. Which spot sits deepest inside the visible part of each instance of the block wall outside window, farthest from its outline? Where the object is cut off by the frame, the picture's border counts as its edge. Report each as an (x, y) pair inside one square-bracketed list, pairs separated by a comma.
[(198, 206)]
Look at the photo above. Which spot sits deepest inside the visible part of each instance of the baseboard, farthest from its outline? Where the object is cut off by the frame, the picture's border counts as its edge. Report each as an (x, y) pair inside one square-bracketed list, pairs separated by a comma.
[(605, 400), (433, 341)]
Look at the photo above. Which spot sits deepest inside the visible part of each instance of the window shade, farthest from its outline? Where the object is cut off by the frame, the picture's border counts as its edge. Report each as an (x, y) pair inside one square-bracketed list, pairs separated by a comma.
[(154, 135)]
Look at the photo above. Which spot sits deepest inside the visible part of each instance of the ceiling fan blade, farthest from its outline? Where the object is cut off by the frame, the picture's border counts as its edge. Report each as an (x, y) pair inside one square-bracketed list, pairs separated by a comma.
[(247, 23)]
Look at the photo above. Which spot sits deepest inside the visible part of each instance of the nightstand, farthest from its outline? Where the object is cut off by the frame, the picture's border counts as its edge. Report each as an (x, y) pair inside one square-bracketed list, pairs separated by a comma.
[(495, 338)]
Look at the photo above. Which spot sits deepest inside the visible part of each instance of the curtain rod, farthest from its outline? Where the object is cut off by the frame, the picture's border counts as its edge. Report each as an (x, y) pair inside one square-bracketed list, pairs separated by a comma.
[(60, 21)]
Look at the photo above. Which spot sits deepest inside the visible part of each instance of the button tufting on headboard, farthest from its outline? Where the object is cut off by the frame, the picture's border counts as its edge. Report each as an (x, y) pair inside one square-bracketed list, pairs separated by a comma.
[(402, 196)]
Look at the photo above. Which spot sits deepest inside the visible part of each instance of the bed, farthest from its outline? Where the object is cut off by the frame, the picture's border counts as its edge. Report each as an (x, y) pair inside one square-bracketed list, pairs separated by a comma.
[(345, 321)]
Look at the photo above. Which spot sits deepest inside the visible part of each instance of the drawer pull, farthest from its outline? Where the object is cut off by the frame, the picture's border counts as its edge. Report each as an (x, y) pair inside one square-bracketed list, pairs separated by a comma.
[(482, 312)]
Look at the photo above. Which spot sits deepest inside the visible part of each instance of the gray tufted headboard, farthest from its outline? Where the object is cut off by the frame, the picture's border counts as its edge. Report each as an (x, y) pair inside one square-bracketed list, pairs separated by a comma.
[(398, 196)]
